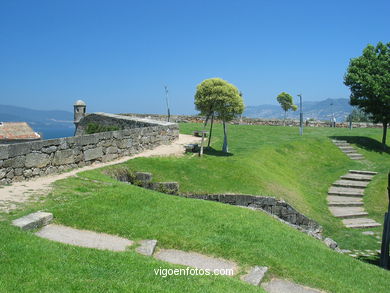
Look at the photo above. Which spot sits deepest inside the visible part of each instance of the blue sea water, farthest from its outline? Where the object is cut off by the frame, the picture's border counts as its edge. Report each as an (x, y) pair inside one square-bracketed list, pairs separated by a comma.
[(49, 133)]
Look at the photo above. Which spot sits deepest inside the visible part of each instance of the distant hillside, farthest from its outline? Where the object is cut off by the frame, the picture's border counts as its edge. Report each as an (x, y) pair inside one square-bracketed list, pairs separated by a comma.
[(51, 123), (321, 110)]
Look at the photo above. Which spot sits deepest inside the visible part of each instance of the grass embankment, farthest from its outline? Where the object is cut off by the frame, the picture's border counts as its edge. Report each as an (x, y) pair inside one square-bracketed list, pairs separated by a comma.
[(275, 161), (265, 160)]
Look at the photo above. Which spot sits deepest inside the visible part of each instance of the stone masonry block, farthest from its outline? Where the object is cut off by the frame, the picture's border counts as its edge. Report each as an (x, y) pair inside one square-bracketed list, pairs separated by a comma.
[(93, 154), (33, 221)]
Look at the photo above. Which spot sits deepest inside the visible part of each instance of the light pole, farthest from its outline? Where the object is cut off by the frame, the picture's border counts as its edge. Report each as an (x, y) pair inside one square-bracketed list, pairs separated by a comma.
[(166, 98), (300, 115), (333, 122)]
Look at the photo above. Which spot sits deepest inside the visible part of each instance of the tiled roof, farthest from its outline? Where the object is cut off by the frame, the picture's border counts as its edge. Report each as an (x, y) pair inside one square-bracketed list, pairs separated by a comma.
[(17, 130)]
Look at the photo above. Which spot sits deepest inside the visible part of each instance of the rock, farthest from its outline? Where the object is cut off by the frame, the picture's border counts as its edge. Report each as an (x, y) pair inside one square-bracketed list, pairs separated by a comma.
[(143, 176), (255, 275), (33, 221), (330, 243), (147, 247), (63, 157), (93, 154), (36, 160)]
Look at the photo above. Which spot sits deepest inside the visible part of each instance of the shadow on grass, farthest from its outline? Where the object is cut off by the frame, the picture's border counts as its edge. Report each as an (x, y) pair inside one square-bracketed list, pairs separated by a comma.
[(213, 152), (364, 142)]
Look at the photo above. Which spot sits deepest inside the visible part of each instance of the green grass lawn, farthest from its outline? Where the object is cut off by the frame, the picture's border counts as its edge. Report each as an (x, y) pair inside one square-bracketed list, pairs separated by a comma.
[(265, 160), (276, 161)]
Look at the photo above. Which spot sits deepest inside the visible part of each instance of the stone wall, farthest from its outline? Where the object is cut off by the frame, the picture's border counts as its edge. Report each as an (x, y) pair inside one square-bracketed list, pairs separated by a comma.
[(278, 208), (23, 161), (256, 121), (122, 122)]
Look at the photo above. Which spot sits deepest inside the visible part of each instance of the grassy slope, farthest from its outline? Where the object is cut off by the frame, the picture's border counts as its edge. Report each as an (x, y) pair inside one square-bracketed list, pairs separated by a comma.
[(245, 236), (266, 160), (275, 161)]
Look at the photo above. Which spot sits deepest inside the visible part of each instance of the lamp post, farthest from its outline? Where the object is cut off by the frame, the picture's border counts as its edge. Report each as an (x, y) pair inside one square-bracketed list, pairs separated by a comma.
[(300, 115), (166, 98)]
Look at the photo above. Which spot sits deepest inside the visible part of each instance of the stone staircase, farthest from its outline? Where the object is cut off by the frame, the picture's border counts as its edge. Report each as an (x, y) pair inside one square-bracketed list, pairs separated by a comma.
[(347, 149), (345, 199)]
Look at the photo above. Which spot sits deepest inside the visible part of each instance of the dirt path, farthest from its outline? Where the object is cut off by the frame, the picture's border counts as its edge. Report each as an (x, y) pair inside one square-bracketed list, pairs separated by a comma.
[(19, 192)]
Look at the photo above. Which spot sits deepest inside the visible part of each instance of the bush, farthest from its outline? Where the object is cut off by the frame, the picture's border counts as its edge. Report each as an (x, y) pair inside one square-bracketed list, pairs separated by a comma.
[(93, 127)]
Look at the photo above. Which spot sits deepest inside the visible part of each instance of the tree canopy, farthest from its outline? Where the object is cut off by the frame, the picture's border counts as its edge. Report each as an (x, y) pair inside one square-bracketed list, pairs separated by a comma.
[(217, 96), (368, 78), (286, 102)]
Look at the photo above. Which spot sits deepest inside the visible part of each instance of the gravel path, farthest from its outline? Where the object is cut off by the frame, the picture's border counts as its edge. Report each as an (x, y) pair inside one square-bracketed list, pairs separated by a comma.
[(20, 192)]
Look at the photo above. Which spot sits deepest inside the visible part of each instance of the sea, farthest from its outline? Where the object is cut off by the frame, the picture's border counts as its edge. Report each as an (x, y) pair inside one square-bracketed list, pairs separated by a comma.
[(50, 132)]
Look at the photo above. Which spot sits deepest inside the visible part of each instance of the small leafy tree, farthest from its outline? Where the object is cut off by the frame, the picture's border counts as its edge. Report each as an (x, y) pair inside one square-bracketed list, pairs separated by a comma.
[(358, 115), (220, 98), (368, 78), (286, 102)]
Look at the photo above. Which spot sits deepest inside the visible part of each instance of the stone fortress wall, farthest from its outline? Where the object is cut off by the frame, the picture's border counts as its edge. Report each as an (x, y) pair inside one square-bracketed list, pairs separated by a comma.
[(22, 161), (256, 121)]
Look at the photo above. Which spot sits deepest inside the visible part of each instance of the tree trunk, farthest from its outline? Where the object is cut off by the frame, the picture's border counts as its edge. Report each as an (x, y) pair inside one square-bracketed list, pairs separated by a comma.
[(225, 148), (211, 130), (207, 119), (384, 135), (285, 117)]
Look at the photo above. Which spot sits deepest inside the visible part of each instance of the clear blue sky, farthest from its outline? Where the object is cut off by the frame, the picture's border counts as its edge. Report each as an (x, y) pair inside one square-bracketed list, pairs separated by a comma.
[(118, 55)]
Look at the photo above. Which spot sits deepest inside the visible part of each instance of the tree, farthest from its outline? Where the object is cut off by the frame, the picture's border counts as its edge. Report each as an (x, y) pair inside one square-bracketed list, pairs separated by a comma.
[(357, 115), (368, 78), (216, 96), (286, 102)]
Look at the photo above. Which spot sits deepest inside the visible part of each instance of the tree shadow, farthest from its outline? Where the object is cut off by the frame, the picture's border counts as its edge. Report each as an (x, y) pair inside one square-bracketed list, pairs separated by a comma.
[(213, 152), (364, 142)]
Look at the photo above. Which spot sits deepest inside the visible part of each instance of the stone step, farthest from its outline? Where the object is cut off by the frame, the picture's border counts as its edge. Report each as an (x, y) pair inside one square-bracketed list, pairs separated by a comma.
[(350, 183), (33, 221), (360, 223), (357, 177), (354, 155), (342, 144), (346, 148), (84, 238), (336, 140), (348, 212), (363, 172), (196, 260), (284, 286), (344, 201), (345, 191), (357, 158), (349, 151)]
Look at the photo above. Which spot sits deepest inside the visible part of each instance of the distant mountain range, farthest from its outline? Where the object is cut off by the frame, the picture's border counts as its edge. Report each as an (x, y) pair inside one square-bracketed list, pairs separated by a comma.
[(50, 123), (321, 110)]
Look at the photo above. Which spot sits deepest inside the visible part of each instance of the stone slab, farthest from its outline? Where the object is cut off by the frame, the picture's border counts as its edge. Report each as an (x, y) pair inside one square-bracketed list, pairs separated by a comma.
[(347, 212), (363, 172), (255, 275), (196, 260), (33, 221), (360, 223), (350, 183), (357, 177), (84, 238), (336, 200), (284, 286), (336, 140), (147, 247), (345, 191)]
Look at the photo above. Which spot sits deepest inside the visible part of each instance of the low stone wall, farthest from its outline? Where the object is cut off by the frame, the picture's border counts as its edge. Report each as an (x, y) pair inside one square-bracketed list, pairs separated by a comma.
[(122, 122), (256, 121), (23, 161), (278, 208)]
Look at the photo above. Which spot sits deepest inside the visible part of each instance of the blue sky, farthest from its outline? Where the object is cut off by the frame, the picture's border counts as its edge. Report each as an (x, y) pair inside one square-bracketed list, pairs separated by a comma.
[(118, 55)]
